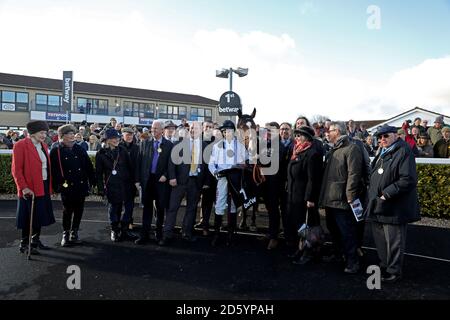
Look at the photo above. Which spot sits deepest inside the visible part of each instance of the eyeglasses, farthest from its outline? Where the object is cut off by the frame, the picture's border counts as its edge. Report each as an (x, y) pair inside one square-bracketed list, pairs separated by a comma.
[(386, 135)]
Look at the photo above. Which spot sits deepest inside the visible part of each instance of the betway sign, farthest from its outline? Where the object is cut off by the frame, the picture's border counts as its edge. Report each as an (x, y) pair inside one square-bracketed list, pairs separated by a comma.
[(229, 104), (67, 94)]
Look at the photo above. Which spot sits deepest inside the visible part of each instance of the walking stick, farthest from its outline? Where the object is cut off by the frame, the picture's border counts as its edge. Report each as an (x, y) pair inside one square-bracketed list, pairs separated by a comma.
[(31, 228)]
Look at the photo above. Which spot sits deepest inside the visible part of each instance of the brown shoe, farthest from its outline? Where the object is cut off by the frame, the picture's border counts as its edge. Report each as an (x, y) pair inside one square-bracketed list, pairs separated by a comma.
[(273, 243)]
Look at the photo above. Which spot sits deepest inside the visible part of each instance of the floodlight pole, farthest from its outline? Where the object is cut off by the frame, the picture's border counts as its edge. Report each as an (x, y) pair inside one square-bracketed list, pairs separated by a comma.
[(231, 79)]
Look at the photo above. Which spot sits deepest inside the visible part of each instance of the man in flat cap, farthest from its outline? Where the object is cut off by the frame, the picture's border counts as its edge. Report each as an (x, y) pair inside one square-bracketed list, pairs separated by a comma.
[(393, 201)]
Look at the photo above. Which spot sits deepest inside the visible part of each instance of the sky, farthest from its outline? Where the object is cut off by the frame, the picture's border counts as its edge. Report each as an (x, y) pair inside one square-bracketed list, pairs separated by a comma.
[(358, 59)]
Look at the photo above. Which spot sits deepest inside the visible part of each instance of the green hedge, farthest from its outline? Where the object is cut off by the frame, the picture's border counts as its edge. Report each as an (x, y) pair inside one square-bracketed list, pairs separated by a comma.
[(433, 188)]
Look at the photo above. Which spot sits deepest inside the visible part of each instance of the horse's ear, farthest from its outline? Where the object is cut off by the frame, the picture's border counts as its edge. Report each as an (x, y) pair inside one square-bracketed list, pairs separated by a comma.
[(253, 113), (239, 113)]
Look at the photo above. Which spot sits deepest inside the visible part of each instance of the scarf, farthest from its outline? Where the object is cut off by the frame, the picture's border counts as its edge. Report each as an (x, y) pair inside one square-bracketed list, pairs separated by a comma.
[(299, 148)]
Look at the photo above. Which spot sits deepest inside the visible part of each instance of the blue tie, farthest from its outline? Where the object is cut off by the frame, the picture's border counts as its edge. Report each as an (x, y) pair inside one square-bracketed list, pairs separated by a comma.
[(155, 156)]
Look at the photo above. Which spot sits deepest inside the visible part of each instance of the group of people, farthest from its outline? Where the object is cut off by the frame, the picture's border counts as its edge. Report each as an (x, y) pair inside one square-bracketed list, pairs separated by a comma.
[(208, 163)]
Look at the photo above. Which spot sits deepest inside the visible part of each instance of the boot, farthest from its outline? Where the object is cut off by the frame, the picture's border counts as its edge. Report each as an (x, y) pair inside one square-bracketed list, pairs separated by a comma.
[(65, 242), (217, 225), (115, 232), (74, 239), (232, 221), (36, 242), (127, 234), (23, 248)]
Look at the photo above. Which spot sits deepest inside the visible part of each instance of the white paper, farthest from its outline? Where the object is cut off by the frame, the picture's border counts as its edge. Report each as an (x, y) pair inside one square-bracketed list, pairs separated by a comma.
[(358, 210)]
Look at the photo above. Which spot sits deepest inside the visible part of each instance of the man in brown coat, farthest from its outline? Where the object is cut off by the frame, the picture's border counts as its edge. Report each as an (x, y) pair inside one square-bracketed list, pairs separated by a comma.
[(342, 185)]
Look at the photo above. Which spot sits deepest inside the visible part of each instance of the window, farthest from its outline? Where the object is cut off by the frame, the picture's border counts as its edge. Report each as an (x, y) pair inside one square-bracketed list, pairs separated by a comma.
[(14, 101), (46, 102), (92, 106), (146, 110), (8, 96), (204, 113), (172, 112)]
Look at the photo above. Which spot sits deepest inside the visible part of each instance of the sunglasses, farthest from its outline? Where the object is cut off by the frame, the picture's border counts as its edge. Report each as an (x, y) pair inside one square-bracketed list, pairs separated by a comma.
[(386, 135)]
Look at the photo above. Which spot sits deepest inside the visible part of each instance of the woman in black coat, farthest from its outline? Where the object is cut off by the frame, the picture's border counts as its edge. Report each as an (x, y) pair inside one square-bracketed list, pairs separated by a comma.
[(304, 181), (115, 180), (73, 174)]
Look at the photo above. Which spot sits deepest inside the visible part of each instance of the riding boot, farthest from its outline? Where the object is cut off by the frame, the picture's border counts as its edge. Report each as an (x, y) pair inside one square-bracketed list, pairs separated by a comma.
[(217, 225)]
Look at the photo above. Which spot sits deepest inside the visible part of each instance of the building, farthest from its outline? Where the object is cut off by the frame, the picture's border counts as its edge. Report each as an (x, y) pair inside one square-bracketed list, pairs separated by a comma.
[(25, 98), (412, 114)]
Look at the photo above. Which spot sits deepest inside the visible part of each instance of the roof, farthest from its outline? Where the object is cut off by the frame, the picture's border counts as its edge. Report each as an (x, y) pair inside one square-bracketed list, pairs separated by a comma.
[(405, 116), (7, 79)]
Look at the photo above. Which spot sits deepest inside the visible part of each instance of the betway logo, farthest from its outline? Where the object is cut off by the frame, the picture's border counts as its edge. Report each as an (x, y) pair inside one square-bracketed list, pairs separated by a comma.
[(67, 86), (228, 110)]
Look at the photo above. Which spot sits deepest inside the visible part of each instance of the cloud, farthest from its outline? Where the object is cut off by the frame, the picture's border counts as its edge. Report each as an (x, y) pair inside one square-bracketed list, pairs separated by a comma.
[(124, 47)]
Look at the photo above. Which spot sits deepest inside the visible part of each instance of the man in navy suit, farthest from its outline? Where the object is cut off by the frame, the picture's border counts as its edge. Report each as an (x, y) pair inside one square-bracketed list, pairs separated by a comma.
[(152, 176), (186, 177)]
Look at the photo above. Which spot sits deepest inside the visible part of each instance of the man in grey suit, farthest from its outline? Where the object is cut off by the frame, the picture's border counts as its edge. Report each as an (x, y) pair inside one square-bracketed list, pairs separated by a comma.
[(186, 176), (152, 176)]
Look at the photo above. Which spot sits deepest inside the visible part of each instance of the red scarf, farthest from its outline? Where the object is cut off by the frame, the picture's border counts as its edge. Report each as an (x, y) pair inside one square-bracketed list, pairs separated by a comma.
[(299, 148)]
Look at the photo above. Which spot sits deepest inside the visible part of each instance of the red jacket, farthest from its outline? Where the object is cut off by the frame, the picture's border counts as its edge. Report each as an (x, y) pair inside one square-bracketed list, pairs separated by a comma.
[(27, 168)]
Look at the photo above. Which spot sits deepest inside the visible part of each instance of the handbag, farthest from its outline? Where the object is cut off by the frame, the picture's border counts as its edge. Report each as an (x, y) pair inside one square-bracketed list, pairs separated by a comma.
[(310, 236)]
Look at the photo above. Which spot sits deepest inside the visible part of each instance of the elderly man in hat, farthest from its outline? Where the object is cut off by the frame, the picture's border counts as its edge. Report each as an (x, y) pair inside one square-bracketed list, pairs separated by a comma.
[(226, 155), (169, 131), (442, 146), (73, 175), (435, 131), (393, 201), (32, 175)]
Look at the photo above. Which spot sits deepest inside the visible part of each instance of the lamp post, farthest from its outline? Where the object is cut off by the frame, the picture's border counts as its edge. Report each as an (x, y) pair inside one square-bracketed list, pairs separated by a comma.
[(225, 73)]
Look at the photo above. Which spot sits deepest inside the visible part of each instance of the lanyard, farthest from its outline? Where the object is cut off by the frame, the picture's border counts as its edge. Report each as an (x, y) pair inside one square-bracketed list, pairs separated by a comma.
[(60, 164), (114, 168)]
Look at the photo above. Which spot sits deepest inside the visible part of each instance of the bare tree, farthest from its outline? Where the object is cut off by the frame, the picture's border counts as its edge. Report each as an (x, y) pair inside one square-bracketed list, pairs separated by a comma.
[(319, 118)]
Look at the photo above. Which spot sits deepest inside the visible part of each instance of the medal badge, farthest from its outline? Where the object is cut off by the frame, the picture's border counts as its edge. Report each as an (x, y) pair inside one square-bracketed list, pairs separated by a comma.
[(114, 172), (159, 150), (65, 184), (380, 171)]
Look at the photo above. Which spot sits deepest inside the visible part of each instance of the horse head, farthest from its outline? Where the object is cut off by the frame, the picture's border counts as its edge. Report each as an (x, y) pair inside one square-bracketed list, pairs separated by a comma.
[(245, 121)]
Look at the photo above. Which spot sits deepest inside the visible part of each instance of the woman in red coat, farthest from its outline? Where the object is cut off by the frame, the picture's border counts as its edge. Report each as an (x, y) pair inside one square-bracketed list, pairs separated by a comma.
[(31, 171)]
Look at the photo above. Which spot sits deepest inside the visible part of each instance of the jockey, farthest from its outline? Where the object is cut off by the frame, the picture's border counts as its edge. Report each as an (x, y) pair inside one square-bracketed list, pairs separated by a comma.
[(226, 154)]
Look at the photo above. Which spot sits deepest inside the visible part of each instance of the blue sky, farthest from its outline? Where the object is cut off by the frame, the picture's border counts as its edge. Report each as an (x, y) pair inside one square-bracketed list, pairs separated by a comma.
[(330, 33), (305, 57)]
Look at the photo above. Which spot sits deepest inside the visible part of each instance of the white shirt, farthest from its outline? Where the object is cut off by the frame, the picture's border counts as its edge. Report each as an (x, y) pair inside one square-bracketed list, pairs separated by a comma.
[(225, 158), (42, 157)]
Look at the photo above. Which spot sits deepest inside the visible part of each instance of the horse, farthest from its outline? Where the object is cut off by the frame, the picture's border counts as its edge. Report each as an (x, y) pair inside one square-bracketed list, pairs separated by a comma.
[(246, 130)]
